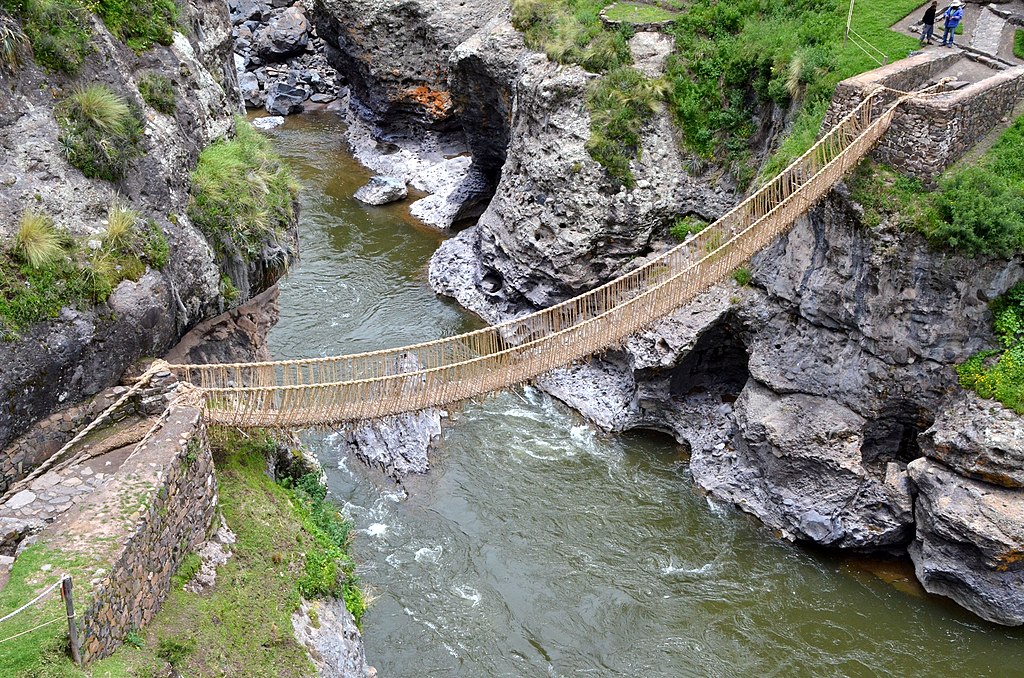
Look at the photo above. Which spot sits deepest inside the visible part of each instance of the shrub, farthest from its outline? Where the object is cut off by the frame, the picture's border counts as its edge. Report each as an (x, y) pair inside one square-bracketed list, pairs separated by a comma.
[(37, 241), (996, 374), (687, 226), (101, 133), (158, 92), (175, 651), (58, 31), (241, 192), (12, 41), (140, 23), (980, 212), (620, 105), (742, 276), (188, 569)]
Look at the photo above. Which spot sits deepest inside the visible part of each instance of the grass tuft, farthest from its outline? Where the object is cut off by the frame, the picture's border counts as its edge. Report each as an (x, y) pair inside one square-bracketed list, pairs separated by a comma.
[(37, 240), (121, 223), (620, 105), (242, 193), (158, 92), (58, 31), (101, 133), (1018, 43), (12, 41)]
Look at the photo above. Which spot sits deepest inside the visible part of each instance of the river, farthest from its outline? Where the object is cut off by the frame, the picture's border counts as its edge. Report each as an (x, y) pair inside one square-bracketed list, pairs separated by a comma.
[(539, 546)]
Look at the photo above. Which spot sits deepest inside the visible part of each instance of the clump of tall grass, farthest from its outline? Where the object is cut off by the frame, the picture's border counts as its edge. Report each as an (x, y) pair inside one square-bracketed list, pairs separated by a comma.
[(242, 194), (121, 223), (620, 105), (100, 132), (37, 240), (58, 31), (12, 41)]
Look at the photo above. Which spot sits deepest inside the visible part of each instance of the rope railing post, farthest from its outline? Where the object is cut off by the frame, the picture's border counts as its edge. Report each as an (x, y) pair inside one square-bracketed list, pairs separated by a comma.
[(69, 607)]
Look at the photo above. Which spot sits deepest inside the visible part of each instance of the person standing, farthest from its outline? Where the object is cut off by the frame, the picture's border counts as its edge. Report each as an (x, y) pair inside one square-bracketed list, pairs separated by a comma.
[(928, 23), (952, 16)]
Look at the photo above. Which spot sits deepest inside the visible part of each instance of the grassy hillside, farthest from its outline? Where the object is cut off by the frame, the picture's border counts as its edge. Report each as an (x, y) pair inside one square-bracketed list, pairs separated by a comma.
[(732, 59)]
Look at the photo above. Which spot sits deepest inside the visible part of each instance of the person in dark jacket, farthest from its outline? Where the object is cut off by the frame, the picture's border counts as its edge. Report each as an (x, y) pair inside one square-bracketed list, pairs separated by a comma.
[(928, 23), (952, 16)]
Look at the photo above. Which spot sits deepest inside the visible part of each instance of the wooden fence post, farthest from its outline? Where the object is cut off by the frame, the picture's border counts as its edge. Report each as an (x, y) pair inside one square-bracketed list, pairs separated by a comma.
[(69, 606)]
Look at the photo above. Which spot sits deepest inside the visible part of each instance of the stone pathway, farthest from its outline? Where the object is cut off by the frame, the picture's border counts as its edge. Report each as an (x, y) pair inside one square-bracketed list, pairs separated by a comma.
[(54, 492), (987, 28)]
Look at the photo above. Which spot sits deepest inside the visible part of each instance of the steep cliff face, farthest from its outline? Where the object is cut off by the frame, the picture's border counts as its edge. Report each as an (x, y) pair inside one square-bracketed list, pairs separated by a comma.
[(85, 349), (394, 53), (557, 224)]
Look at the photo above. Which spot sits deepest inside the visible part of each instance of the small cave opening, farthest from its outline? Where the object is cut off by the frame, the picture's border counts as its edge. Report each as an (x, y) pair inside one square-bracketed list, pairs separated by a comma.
[(893, 437), (716, 367)]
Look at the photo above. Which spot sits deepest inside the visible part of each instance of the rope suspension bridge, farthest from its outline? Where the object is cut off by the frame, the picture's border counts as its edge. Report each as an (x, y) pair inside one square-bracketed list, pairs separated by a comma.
[(334, 390)]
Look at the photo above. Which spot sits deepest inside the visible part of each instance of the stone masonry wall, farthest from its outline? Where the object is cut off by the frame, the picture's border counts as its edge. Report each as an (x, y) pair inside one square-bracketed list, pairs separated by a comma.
[(166, 496), (930, 134)]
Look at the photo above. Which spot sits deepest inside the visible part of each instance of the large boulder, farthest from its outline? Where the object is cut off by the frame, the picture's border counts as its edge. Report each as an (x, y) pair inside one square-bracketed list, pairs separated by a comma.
[(970, 542), (798, 466), (980, 439), (284, 99), (382, 190), (286, 34)]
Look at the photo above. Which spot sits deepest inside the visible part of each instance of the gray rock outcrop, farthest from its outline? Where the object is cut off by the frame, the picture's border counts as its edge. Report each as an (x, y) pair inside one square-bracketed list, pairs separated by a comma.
[(333, 642), (382, 190), (979, 439), (398, 445), (970, 542)]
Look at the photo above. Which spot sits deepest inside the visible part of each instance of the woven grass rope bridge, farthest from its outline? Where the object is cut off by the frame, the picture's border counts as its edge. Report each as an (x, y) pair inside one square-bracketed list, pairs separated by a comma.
[(333, 390)]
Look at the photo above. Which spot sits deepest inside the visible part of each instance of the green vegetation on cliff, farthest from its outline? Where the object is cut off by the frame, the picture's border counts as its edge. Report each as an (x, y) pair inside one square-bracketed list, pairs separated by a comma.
[(977, 209), (733, 60), (242, 193), (100, 131), (999, 374), (292, 543), (44, 269)]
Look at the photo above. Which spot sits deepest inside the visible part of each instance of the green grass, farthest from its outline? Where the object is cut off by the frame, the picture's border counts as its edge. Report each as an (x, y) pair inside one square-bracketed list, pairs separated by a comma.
[(140, 23), (620, 105), (685, 227), (639, 13), (733, 59), (999, 374), (58, 31), (42, 653), (242, 193), (976, 210), (100, 132), (1018, 43), (158, 91), (291, 542), (66, 272)]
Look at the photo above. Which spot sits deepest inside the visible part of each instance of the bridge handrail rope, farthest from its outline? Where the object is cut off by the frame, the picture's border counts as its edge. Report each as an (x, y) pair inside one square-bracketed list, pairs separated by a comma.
[(320, 391)]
